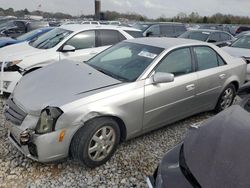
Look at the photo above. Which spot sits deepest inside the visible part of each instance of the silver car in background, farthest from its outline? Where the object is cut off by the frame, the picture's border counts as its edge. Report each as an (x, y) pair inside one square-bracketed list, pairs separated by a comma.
[(86, 109)]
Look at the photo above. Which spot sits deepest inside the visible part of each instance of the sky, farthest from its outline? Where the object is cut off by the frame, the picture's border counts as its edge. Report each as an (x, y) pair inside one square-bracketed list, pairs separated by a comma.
[(149, 8)]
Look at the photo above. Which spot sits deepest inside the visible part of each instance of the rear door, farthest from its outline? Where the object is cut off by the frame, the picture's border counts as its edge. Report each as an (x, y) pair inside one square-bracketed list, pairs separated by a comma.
[(168, 102), (211, 76)]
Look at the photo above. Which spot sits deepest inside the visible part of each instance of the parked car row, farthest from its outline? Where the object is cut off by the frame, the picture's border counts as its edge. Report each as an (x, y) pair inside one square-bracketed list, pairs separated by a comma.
[(74, 42), (80, 90), (85, 109)]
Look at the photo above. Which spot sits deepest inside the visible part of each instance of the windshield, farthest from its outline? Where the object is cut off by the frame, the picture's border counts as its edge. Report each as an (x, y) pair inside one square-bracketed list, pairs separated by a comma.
[(28, 35), (125, 61), (50, 39), (142, 27), (196, 35), (243, 42)]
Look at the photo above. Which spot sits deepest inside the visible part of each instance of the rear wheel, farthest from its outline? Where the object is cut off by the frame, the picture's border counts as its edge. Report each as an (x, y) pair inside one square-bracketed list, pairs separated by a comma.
[(226, 98), (95, 143)]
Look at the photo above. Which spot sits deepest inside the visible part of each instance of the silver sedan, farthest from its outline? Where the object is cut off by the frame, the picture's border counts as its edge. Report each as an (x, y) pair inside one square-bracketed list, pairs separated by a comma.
[(86, 109)]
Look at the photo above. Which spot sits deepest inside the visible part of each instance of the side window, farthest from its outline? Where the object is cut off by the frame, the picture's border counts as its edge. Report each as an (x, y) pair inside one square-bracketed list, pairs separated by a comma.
[(109, 37), (153, 30), (214, 37), (225, 37), (167, 30), (83, 40), (206, 58), (178, 62)]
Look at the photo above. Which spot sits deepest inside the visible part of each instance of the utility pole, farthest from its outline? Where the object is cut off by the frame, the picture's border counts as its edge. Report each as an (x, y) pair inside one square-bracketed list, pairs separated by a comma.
[(97, 9)]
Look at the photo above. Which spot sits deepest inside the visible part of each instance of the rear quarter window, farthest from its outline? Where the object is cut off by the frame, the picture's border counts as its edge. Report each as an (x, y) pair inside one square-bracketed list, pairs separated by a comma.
[(109, 37)]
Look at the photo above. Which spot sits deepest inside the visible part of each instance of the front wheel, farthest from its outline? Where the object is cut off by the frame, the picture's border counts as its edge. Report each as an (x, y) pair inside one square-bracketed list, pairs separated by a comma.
[(226, 98), (95, 142)]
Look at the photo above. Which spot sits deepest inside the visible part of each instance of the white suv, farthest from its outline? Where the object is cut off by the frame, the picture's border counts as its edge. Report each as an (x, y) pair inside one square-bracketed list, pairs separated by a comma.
[(74, 42)]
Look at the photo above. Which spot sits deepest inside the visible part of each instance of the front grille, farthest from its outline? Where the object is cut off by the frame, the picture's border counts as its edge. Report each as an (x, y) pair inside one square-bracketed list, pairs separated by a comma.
[(13, 113)]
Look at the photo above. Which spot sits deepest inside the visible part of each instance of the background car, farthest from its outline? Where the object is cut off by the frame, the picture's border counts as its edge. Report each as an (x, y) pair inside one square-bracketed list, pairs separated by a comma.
[(15, 28), (214, 155), (164, 29), (242, 29), (5, 41), (219, 38), (241, 48), (76, 42), (136, 86)]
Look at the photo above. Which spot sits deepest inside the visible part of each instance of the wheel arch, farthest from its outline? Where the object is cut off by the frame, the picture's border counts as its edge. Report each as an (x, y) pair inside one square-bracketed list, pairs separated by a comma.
[(122, 126)]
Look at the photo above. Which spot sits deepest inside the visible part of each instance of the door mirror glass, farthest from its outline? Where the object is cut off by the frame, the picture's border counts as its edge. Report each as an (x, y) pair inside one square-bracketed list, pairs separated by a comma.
[(68, 48), (248, 69), (162, 77)]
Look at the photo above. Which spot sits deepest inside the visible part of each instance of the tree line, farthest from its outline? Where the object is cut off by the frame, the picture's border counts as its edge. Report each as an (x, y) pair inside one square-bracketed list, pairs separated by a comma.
[(194, 17)]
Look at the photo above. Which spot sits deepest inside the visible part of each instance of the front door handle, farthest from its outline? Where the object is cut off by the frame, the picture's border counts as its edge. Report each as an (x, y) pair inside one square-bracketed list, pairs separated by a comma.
[(222, 76), (190, 87)]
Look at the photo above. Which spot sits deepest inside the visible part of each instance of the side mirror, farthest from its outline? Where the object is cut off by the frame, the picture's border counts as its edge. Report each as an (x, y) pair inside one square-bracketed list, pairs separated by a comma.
[(162, 77), (211, 41), (68, 48)]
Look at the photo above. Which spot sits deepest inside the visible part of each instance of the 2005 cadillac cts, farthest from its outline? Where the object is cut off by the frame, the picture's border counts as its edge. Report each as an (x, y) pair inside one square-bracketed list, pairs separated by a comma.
[(86, 109)]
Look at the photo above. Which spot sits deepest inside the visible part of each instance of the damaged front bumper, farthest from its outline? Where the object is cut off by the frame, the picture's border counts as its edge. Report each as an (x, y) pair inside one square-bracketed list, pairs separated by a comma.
[(42, 148)]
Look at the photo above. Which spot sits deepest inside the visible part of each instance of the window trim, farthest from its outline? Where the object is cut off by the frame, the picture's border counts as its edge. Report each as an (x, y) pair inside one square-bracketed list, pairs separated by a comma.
[(196, 60)]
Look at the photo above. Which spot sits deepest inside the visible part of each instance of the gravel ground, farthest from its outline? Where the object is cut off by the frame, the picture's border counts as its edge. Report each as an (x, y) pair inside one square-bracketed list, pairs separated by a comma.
[(133, 161)]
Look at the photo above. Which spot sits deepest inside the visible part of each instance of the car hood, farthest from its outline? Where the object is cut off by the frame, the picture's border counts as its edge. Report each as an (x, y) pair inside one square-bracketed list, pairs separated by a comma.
[(218, 153), (18, 52), (58, 84), (237, 52)]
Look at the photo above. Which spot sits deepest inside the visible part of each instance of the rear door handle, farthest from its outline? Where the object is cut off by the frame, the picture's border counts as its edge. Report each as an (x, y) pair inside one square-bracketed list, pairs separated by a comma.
[(190, 87), (222, 76)]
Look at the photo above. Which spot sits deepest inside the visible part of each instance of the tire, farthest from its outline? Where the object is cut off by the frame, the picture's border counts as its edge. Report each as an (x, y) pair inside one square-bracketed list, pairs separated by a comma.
[(226, 98), (95, 143)]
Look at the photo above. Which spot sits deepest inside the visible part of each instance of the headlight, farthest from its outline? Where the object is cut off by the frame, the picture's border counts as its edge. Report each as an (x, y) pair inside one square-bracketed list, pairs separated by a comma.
[(47, 120), (10, 65)]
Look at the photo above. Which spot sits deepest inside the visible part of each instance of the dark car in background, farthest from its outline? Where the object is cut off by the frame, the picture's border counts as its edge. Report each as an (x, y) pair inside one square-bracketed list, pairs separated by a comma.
[(214, 155), (15, 28), (5, 41), (241, 29), (219, 38), (163, 29)]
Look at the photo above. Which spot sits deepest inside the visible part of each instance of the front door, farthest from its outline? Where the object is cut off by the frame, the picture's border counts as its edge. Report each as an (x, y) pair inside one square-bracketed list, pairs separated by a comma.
[(168, 102)]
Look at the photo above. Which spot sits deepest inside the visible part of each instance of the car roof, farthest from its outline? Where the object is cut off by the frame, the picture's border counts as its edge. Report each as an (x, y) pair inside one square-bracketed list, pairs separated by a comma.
[(209, 30), (161, 23), (165, 42), (79, 27)]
